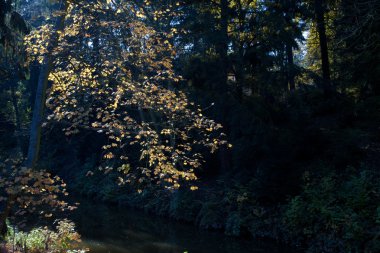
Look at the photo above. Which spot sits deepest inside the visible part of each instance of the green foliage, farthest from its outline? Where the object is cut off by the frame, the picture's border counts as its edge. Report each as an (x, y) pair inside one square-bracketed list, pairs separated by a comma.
[(208, 218), (233, 224), (185, 205), (336, 213), (63, 239), (125, 74), (12, 30)]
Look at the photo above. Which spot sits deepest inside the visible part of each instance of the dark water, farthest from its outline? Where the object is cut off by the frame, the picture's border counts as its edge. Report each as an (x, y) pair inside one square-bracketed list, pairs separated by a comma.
[(110, 229)]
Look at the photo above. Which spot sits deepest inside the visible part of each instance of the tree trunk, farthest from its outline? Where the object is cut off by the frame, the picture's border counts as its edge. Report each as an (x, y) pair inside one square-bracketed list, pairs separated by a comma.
[(289, 15), (290, 68), (4, 215), (222, 46), (39, 103), (15, 107), (20, 149), (321, 28)]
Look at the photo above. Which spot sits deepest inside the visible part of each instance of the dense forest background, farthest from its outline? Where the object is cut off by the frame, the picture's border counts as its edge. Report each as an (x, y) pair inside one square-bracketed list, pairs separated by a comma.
[(295, 85)]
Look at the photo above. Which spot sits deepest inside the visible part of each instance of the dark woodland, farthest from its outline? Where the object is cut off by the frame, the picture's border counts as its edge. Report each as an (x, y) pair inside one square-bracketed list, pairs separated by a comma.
[(190, 126)]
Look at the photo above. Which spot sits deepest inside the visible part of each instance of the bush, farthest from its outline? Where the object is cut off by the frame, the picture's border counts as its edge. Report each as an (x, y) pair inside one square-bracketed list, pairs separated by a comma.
[(63, 239), (336, 213)]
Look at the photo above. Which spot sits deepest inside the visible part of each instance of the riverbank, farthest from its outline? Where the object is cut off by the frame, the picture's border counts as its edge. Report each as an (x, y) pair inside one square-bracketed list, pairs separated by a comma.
[(118, 229), (327, 209), (305, 173)]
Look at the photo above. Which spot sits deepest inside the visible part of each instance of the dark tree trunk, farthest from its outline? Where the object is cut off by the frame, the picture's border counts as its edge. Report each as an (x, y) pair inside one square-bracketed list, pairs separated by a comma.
[(39, 103), (16, 108), (5, 213), (222, 46), (38, 111), (289, 15), (321, 28), (33, 82), (20, 147), (290, 68), (7, 207)]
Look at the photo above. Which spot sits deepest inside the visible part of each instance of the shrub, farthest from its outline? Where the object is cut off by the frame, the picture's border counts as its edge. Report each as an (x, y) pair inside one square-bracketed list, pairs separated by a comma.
[(63, 239), (337, 213)]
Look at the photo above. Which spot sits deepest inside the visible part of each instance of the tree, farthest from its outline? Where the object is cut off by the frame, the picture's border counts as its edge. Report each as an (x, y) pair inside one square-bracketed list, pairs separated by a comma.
[(355, 46), (321, 28), (289, 15), (25, 190), (19, 181), (39, 105), (130, 94), (12, 30), (12, 64)]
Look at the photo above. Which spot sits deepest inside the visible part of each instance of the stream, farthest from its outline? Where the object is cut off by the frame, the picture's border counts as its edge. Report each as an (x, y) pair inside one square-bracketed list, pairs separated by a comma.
[(114, 229)]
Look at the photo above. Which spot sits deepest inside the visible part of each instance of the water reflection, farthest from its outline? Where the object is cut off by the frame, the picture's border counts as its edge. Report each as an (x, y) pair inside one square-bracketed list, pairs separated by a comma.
[(106, 229)]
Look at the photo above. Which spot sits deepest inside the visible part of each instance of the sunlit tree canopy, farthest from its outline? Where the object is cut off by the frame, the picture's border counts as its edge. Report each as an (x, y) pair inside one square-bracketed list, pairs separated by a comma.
[(114, 74)]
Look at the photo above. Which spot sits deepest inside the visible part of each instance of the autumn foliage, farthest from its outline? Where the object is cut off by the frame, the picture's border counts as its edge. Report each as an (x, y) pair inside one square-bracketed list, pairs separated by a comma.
[(114, 74), (25, 192)]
